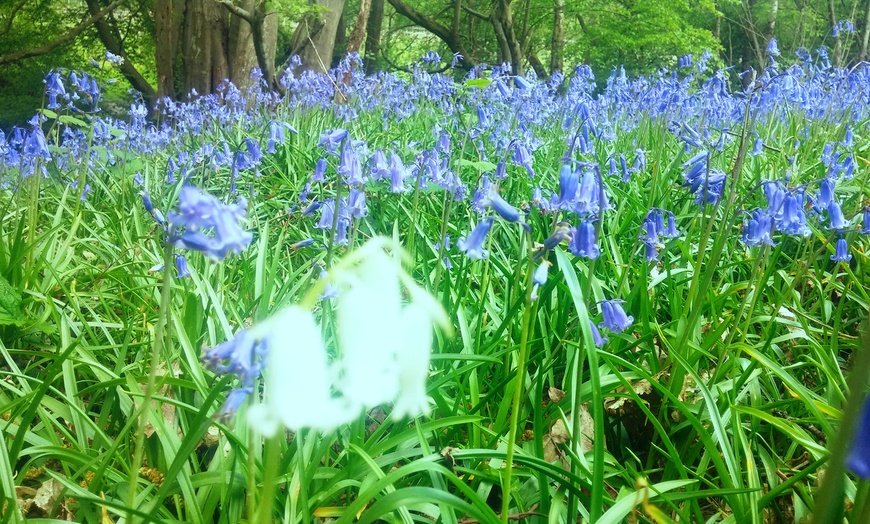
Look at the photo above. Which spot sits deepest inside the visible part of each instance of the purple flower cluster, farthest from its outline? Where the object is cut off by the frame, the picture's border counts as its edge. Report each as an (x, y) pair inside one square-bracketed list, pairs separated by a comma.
[(199, 212)]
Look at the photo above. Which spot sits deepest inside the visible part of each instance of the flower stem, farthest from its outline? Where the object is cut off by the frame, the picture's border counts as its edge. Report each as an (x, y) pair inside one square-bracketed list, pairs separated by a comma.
[(829, 499), (156, 351), (516, 406), (271, 458)]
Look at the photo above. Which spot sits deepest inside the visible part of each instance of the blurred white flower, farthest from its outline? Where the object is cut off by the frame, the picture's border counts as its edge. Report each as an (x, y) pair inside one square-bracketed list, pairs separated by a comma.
[(383, 350), (298, 386), (413, 361), (369, 331)]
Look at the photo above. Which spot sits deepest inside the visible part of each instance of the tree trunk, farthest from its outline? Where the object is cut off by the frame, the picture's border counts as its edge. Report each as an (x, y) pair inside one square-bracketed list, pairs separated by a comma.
[(771, 24), (241, 53), (503, 24), (557, 47), (373, 36), (168, 15), (832, 15), (317, 44), (865, 33), (355, 40)]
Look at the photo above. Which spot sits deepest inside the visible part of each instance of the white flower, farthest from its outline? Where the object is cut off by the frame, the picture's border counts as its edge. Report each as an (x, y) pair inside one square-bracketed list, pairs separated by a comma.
[(413, 360), (369, 332), (298, 386)]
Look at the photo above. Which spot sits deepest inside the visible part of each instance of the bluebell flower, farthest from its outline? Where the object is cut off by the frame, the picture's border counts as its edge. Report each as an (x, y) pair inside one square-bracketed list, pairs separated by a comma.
[(398, 173), (473, 245), (615, 318), (351, 167), (858, 457), (561, 233), (53, 87), (569, 183), (757, 147), (826, 194), (793, 220), (332, 139), (302, 243), (835, 214), (588, 195), (181, 267), (775, 193), (522, 157), (539, 277), (114, 59), (827, 154), (319, 171), (772, 47), (500, 206), (522, 83), (841, 253), (329, 291), (639, 163), (379, 165), (312, 207), (597, 339), (137, 179), (583, 242), (276, 136), (756, 231), (233, 402), (848, 139), (197, 211), (356, 204), (242, 355), (866, 229), (146, 202)]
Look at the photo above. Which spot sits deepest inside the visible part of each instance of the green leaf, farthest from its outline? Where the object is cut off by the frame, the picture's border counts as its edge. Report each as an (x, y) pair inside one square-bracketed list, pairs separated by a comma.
[(10, 304), (71, 120), (479, 83), (481, 165)]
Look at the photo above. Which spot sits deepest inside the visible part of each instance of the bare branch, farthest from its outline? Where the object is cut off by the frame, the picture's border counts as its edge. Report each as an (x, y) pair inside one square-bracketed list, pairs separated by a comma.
[(238, 11), (477, 14), (431, 25), (71, 35), (12, 17)]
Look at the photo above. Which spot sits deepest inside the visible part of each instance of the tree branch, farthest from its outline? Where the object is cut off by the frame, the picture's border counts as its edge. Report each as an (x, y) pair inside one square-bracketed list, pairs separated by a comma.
[(12, 17), (104, 31), (256, 19), (477, 14), (431, 25), (71, 35)]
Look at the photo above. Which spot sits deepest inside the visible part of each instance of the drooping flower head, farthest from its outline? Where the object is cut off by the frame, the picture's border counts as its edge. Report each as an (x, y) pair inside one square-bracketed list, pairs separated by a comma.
[(858, 457), (473, 245), (615, 318), (197, 212), (841, 252)]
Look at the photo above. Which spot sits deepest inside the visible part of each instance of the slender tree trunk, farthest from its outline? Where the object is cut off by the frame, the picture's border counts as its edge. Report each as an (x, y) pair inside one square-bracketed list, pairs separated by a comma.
[(832, 15), (771, 24), (557, 46), (865, 33), (373, 36), (503, 24), (355, 40), (317, 53), (168, 15), (242, 55), (340, 42), (754, 46)]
